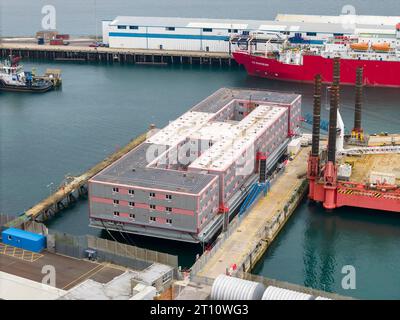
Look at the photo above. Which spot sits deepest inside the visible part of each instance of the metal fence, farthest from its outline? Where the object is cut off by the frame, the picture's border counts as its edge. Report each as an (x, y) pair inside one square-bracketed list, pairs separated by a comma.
[(133, 252), (31, 226), (5, 218), (205, 257), (35, 227), (107, 251), (266, 233), (233, 225)]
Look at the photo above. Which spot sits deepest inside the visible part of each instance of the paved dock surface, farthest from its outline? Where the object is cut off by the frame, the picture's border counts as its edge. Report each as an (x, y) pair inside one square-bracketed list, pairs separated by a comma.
[(69, 271), (238, 246)]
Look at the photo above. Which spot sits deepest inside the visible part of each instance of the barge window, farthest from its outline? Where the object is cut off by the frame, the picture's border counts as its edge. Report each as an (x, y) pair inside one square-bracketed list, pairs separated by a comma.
[(152, 206), (121, 27), (131, 191), (311, 34), (207, 30), (115, 189), (131, 204), (133, 27), (338, 34), (168, 196), (116, 201), (152, 194), (169, 221), (152, 218), (166, 277), (245, 33), (116, 213), (132, 216), (170, 28), (168, 209)]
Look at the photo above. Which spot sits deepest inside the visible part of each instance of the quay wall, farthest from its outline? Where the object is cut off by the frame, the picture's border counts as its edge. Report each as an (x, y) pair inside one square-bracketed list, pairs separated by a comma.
[(111, 55)]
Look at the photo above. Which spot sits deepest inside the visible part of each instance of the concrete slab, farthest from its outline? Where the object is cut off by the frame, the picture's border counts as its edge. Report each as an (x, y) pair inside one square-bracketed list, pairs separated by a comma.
[(69, 271)]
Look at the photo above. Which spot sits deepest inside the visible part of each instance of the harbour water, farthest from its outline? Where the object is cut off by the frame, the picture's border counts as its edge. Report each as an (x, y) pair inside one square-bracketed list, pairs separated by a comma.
[(23, 17), (45, 137)]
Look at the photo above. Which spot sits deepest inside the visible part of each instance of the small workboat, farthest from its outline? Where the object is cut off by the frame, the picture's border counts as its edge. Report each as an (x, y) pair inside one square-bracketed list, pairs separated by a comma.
[(14, 78)]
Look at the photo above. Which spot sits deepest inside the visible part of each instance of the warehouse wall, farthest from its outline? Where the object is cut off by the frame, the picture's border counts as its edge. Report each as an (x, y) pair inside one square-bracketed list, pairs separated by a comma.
[(182, 38)]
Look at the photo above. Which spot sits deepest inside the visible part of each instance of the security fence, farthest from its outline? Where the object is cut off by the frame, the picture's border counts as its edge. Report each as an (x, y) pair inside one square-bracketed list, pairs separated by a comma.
[(133, 252), (5, 218), (107, 251), (266, 233), (233, 225)]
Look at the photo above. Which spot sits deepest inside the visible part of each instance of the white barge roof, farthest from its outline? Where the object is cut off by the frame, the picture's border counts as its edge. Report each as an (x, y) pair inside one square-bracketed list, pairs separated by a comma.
[(136, 167), (227, 150), (180, 128)]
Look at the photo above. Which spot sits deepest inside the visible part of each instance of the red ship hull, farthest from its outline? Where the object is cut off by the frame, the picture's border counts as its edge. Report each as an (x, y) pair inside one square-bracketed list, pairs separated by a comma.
[(376, 73)]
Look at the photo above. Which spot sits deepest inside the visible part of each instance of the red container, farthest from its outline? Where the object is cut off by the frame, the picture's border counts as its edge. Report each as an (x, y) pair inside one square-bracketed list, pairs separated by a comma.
[(56, 42), (62, 36)]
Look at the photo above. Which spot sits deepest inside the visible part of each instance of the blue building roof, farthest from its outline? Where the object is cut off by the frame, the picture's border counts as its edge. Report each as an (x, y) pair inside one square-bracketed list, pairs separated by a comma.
[(22, 234)]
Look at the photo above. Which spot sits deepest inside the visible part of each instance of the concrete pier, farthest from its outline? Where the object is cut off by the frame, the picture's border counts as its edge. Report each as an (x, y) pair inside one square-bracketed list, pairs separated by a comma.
[(115, 55), (72, 190), (259, 227)]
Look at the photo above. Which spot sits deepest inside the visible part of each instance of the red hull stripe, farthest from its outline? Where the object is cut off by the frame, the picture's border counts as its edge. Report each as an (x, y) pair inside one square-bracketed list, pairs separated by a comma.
[(376, 73)]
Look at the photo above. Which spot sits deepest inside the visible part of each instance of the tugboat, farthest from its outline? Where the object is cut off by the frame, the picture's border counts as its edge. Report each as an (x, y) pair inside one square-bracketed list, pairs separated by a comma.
[(14, 78)]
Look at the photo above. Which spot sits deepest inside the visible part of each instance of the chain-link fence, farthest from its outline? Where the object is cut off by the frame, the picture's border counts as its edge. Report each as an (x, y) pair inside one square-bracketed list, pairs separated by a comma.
[(4, 219), (108, 251), (133, 252)]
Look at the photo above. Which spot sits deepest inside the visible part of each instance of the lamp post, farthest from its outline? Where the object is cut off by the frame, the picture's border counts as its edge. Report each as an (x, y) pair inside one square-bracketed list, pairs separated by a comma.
[(50, 187)]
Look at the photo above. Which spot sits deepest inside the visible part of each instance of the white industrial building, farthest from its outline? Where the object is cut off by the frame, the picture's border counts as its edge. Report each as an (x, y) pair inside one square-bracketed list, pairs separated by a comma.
[(389, 21), (213, 34)]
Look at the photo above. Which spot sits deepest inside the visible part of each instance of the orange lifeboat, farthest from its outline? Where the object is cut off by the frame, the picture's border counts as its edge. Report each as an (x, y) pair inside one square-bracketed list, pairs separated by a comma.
[(361, 46), (382, 47)]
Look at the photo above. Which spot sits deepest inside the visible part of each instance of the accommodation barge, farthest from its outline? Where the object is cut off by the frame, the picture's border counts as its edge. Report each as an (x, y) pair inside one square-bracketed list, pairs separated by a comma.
[(184, 180)]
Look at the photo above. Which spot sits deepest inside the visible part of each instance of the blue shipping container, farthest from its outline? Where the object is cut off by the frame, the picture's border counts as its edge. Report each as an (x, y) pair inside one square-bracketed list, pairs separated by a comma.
[(24, 239)]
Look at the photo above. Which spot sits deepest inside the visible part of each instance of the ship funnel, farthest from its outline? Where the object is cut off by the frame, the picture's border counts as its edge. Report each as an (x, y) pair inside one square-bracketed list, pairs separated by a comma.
[(334, 102), (316, 116), (359, 89), (336, 72)]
